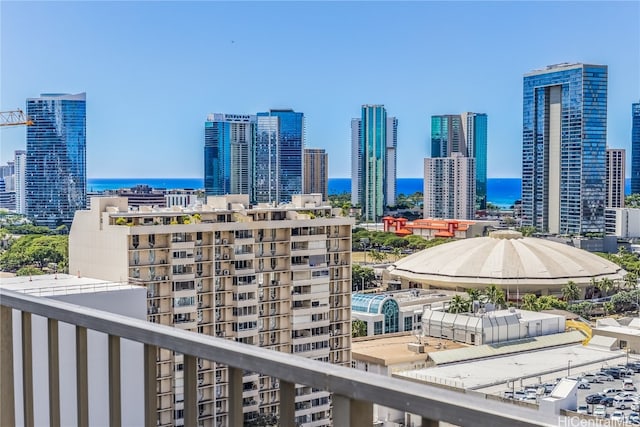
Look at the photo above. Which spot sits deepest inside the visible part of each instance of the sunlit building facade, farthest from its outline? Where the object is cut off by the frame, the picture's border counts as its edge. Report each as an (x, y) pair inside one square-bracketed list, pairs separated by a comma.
[(564, 142), (635, 148), (229, 141), (615, 177), (374, 142), (449, 187), (316, 172), (56, 172), (279, 153), (274, 277)]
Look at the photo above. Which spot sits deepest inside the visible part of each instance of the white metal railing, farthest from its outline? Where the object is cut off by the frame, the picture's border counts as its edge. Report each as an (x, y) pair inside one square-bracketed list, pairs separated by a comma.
[(353, 391)]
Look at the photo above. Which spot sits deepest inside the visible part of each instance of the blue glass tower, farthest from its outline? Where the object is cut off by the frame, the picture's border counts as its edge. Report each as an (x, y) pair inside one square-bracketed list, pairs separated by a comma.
[(229, 141), (56, 173), (635, 148), (563, 154), (279, 156), (371, 152), (465, 134)]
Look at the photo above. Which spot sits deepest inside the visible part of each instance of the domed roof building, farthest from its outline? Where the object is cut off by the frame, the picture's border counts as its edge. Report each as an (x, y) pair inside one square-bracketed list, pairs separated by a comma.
[(505, 258)]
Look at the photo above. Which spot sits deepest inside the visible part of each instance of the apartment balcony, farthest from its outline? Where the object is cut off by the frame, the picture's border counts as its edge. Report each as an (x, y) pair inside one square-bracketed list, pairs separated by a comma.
[(353, 392)]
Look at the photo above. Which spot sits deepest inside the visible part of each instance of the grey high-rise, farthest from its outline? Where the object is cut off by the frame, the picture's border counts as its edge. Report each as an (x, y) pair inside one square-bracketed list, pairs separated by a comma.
[(563, 154), (635, 148), (56, 173)]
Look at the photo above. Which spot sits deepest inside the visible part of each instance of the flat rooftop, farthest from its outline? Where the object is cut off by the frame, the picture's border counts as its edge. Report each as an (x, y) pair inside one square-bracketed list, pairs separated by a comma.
[(483, 373), (47, 285), (391, 350), (620, 330)]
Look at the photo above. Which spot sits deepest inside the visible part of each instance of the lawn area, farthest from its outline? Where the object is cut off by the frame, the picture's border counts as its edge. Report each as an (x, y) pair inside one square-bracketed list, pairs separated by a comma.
[(359, 257)]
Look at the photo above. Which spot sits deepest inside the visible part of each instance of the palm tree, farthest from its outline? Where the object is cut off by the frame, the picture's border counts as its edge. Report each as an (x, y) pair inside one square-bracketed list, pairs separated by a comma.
[(605, 285), (530, 302), (494, 295), (474, 294), (570, 292), (458, 305), (396, 253), (358, 328)]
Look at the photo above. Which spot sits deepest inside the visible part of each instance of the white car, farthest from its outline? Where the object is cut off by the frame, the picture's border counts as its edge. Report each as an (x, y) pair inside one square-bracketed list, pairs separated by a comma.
[(582, 409), (617, 416), (600, 411)]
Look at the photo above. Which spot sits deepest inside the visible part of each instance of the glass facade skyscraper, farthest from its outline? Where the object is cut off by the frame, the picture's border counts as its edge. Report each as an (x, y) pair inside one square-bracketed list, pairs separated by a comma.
[(56, 173), (374, 141), (465, 134), (564, 142), (635, 148), (279, 156), (229, 141)]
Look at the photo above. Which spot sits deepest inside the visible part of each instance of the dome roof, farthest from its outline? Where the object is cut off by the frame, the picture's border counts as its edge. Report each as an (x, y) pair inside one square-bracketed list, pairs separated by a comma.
[(504, 258)]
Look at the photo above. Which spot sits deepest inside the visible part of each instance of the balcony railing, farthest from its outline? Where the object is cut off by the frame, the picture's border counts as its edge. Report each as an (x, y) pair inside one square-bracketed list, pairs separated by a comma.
[(354, 392)]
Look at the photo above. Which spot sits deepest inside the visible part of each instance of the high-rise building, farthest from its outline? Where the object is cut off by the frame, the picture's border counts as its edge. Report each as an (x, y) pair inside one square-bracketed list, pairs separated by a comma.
[(229, 141), (374, 142), (278, 277), (465, 134), (356, 160), (449, 187), (635, 148), (278, 156), (56, 172), (615, 177), (20, 161), (316, 172), (564, 142), (475, 131)]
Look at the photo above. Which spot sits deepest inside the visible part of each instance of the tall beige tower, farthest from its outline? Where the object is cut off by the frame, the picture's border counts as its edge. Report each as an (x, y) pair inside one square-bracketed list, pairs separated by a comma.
[(275, 277), (316, 172), (450, 187)]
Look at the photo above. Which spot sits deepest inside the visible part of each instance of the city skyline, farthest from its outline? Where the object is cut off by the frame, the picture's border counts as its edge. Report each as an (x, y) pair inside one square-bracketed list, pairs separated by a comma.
[(143, 73)]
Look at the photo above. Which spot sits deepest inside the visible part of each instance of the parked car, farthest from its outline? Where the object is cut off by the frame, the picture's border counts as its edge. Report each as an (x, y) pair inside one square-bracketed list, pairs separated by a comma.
[(583, 385), (624, 403), (617, 416), (615, 373), (594, 399), (548, 387), (582, 409), (602, 377), (600, 411), (627, 384), (635, 406), (607, 401), (591, 378), (633, 418), (612, 391)]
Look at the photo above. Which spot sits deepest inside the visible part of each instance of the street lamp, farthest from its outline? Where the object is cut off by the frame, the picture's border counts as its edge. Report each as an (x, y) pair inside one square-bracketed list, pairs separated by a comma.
[(568, 367)]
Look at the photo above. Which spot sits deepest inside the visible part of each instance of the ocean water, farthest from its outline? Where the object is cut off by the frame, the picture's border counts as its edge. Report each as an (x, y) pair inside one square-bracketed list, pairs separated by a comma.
[(502, 192)]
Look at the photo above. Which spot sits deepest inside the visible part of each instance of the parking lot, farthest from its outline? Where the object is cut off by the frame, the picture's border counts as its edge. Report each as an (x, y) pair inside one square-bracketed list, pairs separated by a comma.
[(601, 387)]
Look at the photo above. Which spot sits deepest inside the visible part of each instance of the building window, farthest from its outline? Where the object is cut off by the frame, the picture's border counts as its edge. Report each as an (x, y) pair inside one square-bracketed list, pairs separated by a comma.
[(377, 328), (408, 324), (623, 344)]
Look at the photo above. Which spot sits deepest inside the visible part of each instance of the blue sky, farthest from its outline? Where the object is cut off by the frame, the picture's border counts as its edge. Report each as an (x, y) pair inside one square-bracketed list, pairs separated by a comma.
[(152, 71)]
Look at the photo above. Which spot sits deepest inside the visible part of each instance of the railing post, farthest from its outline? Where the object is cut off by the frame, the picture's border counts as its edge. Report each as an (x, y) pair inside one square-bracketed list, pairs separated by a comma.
[(115, 411), (150, 386), (236, 418), (54, 373), (351, 412), (7, 402), (27, 369), (82, 380), (190, 385), (287, 404)]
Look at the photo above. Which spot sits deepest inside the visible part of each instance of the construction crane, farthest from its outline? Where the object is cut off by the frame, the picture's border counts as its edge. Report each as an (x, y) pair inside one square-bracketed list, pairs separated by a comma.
[(15, 118)]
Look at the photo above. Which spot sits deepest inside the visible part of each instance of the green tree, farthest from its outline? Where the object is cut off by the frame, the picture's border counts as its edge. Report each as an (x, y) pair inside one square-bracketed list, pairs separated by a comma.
[(358, 328), (474, 294), (361, 277), (495, 295), (570, 292), (547, 302), (458, 304), (29, 271), (530, 302), (377, 256)]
